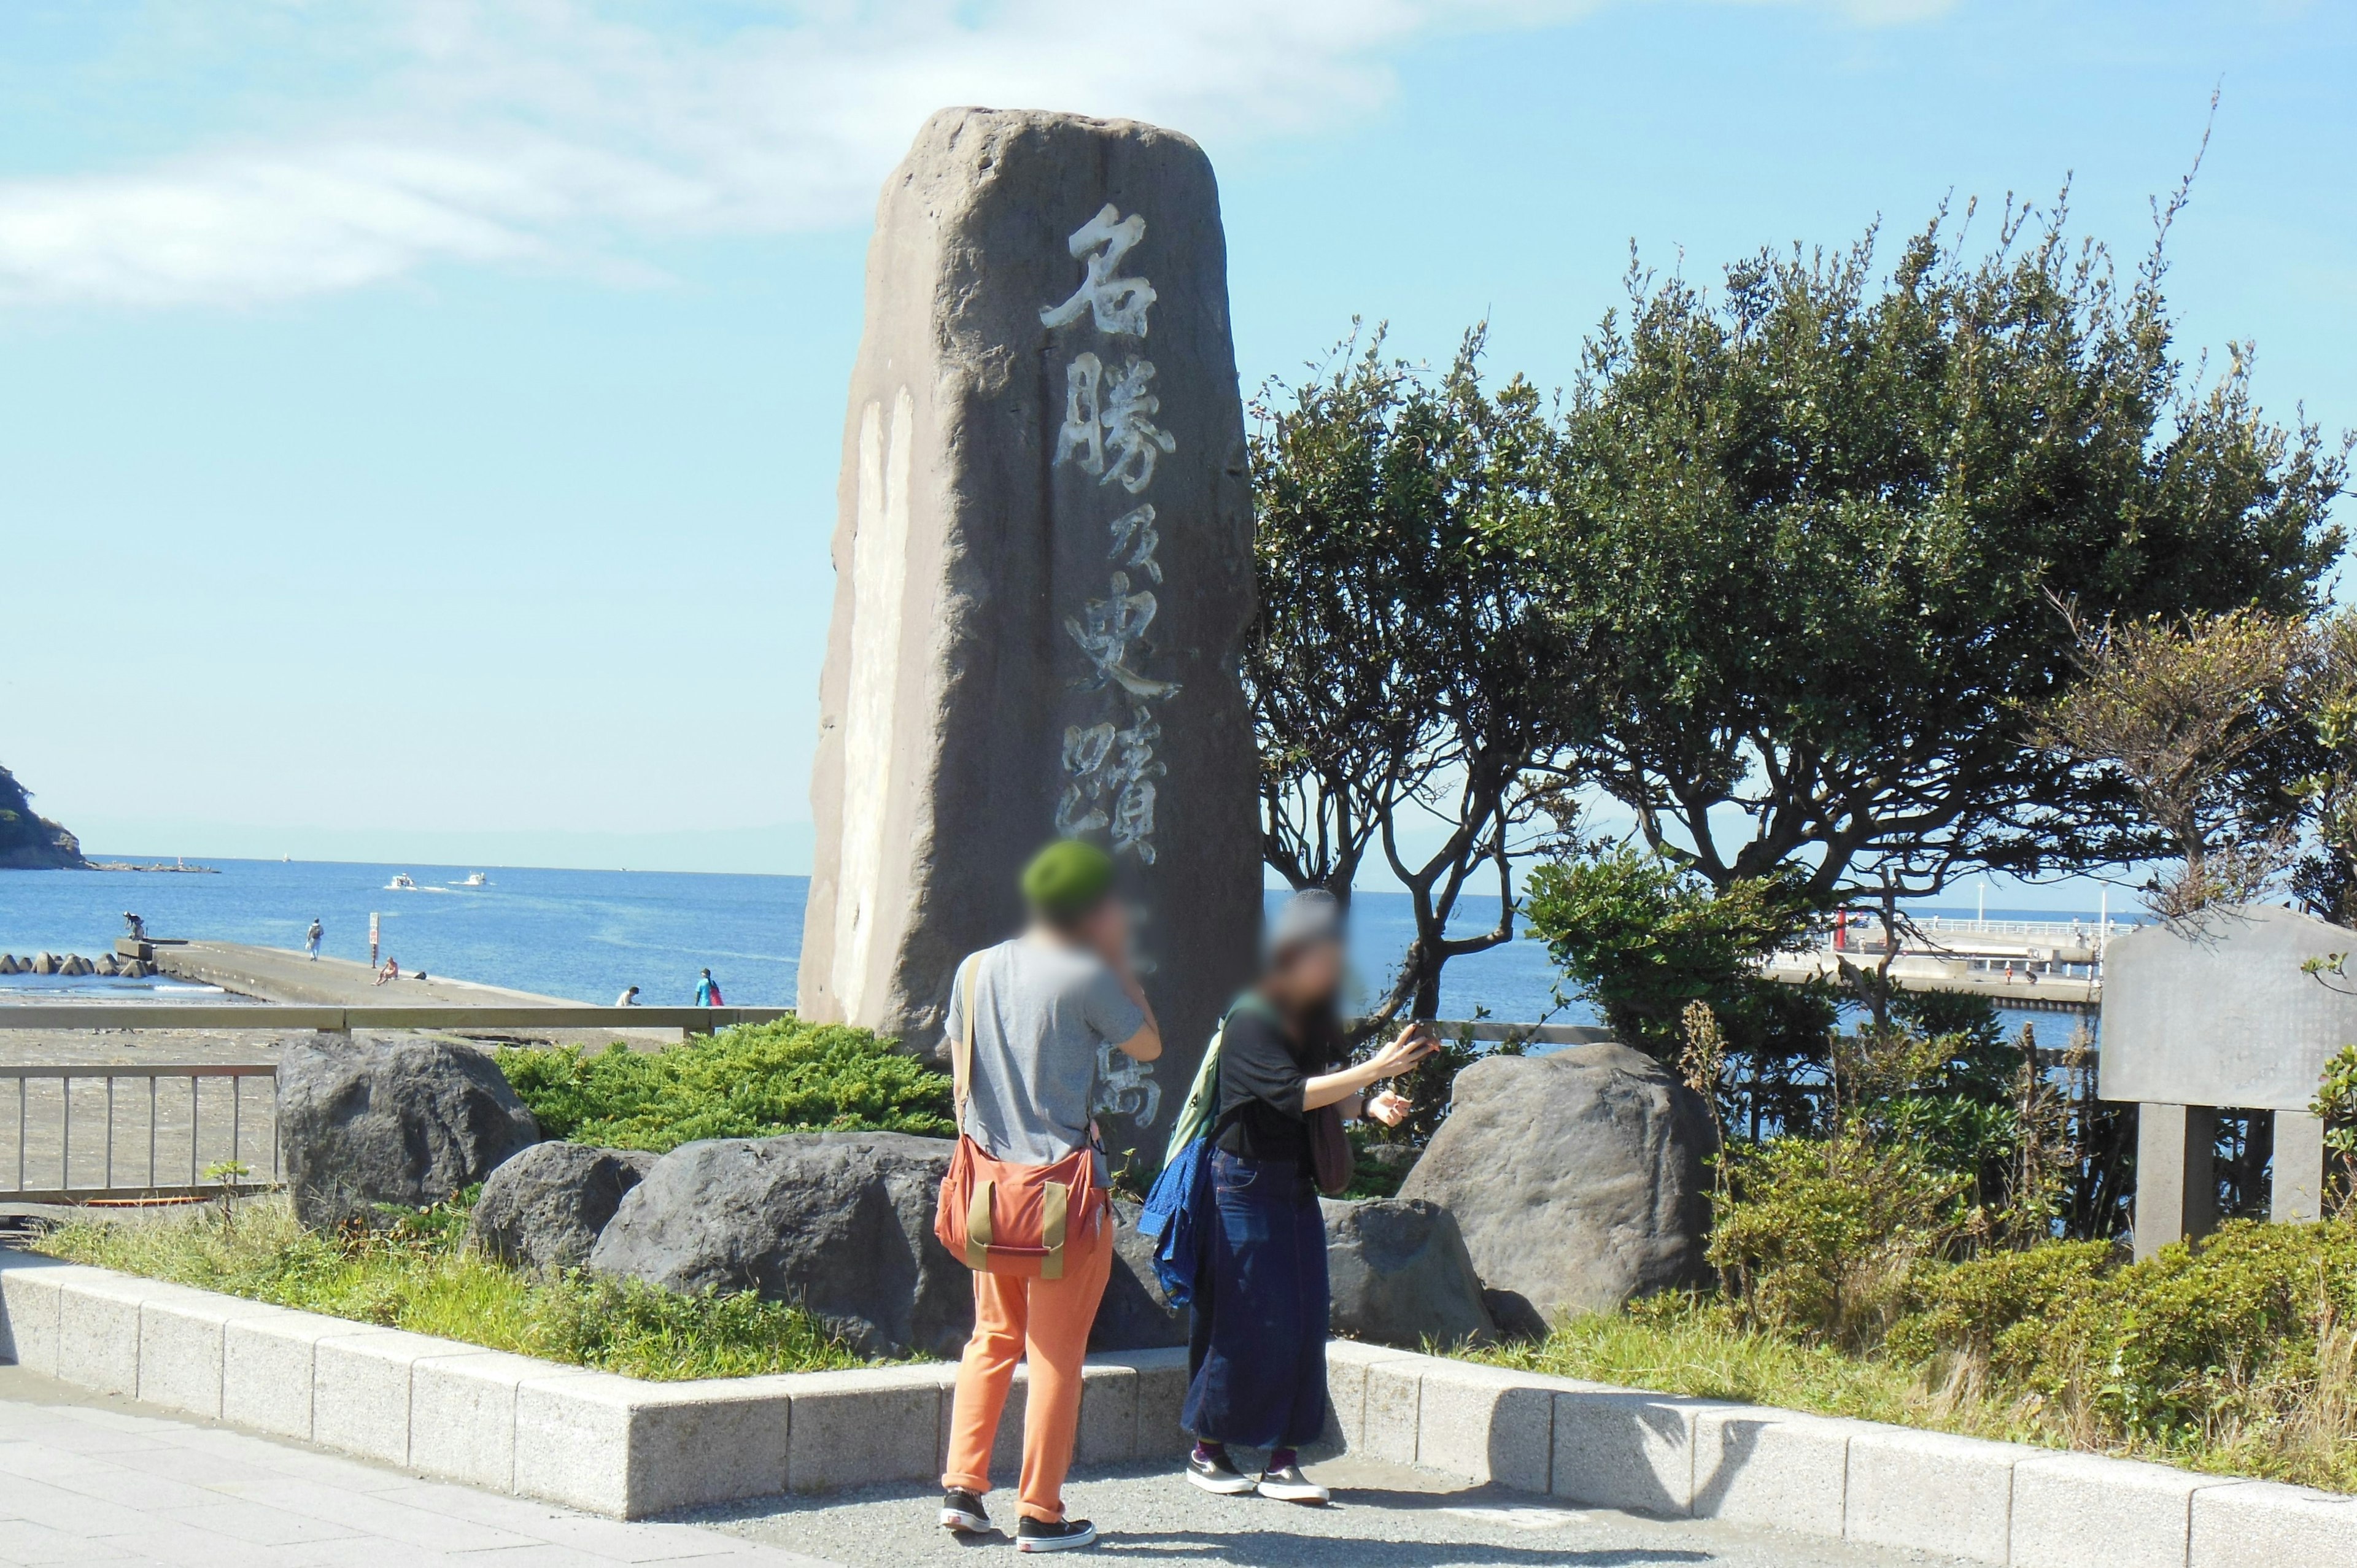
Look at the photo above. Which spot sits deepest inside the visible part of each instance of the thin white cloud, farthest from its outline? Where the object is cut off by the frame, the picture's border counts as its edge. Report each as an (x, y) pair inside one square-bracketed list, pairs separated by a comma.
[(561, 131)]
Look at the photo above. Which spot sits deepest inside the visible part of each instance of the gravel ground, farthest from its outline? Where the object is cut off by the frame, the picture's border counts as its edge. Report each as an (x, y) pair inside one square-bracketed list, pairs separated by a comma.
[(1383, 1516)]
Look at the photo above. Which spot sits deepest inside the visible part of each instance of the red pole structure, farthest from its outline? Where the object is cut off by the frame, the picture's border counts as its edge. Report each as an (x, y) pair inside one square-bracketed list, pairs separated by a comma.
[(371, 939)]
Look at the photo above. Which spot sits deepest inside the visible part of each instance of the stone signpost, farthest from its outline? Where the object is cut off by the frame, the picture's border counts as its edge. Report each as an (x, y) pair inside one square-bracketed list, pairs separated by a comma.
[(2218, 1012), (1043, 575)]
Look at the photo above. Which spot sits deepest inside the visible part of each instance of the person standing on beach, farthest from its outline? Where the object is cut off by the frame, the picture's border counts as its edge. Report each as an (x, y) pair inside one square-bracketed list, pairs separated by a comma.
[(311, 938), (1031, 1018), (707, 992)]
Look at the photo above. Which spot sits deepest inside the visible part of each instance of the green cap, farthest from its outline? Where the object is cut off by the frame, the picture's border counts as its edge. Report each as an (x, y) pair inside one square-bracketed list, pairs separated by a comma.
[(1068, 878)]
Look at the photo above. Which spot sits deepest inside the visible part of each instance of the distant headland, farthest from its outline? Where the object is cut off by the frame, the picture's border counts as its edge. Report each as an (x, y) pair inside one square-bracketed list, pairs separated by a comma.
[(30, 842)]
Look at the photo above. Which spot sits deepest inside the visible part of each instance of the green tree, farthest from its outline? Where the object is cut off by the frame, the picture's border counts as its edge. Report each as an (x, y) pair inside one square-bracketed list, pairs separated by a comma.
[(1822, 520), (1644, 938), (2199, 721), (1409, 669)]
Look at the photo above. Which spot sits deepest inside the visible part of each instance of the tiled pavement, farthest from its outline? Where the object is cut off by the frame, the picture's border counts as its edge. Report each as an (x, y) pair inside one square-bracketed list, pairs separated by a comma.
[(88, 1480)]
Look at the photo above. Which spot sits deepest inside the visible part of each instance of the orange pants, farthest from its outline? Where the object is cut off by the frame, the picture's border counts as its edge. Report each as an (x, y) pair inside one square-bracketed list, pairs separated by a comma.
[(1048, 1320)]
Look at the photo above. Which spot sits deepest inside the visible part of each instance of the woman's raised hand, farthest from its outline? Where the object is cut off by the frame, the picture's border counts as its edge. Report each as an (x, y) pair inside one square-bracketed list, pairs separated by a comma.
[(1414, 1044)]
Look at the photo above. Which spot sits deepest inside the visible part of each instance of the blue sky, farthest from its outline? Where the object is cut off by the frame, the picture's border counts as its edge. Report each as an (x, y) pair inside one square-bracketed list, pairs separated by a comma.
[(418, 420)]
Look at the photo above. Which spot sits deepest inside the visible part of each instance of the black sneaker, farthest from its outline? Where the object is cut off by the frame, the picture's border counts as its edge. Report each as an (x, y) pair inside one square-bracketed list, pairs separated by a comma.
[(962, 1511), (1290, 1485), (1038, 1535), (1218, 1475)]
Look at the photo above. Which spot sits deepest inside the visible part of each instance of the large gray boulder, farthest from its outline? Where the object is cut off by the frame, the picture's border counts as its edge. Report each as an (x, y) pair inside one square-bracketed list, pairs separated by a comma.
[(1135, 1314), (391, 1120), (841, 1223), (1043, 578), (1400, 1275), (1576, 1178), (546, 1208)]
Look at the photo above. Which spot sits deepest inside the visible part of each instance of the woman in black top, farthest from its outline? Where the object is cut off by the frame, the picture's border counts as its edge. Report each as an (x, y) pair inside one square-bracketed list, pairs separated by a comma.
[(1258, 1349)]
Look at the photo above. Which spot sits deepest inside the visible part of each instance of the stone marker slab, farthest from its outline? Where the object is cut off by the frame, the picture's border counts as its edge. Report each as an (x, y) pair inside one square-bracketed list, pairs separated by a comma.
[(1043, 578)]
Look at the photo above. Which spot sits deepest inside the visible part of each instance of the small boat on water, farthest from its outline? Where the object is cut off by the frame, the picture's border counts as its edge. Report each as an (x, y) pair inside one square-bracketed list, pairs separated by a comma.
[(401, 883), (474, 879)]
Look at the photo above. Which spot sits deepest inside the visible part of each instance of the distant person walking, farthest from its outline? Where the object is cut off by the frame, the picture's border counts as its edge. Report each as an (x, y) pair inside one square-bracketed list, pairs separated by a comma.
[(1028, 1022), (311, 938), (707, 992)]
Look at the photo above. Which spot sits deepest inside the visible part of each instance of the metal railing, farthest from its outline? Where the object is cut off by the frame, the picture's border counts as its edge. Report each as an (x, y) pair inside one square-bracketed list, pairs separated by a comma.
[(304, 1016), (159, 1125)]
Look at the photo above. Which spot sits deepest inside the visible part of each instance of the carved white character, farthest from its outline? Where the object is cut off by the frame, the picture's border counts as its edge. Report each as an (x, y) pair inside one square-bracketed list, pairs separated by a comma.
[(1135, 540), (1105, 628), (1081, 809), (1082, 432), (1133, 819), (1127, 430), (1125, 1087), (1117, 302)]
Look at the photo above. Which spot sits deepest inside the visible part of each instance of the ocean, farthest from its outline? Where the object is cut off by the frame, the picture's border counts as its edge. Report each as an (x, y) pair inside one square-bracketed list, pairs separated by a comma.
[(584, 935)]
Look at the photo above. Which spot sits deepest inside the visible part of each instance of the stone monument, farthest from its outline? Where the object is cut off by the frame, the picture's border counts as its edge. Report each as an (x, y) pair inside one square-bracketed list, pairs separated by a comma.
[(1043, 575), (2216, 1011)]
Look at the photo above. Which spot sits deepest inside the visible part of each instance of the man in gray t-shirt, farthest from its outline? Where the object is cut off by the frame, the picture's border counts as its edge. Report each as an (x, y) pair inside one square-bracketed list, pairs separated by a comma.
[(1043, 1008)]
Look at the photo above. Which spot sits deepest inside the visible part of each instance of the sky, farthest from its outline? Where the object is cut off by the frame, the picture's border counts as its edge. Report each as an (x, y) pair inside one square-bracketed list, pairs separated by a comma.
[(419, 419)]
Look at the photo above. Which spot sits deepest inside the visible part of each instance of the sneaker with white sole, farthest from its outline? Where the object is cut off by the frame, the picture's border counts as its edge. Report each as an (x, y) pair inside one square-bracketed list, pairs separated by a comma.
[(1290, 1485), (1218, 1475), (1064, 1535), (963, 1512)]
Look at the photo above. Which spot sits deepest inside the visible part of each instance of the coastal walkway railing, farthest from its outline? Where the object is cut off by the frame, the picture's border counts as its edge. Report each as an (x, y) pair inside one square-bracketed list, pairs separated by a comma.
[(118, 1133), (266, 1015)]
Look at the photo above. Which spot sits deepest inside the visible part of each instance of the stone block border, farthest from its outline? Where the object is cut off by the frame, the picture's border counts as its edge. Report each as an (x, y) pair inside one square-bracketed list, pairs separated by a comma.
[(619, 1446)]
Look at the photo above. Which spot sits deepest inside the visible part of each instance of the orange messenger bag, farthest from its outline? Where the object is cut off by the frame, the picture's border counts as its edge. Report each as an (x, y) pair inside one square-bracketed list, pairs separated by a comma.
[(1000, 1217)]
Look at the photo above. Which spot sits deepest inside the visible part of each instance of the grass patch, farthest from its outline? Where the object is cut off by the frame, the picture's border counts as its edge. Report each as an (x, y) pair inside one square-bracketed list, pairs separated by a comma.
[(419, 1275), (2237, 1355), (755, 1080)]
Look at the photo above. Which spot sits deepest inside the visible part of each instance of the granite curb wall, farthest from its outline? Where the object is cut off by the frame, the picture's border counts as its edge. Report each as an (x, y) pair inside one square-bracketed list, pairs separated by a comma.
[(626, 1448)]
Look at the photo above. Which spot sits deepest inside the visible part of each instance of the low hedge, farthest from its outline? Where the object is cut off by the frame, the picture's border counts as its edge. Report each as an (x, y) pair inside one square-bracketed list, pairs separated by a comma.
[(752, 1081)]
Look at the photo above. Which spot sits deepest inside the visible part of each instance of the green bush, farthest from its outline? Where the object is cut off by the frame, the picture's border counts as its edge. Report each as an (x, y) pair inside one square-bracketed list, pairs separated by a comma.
[(752, 1081), (1825, 1236), (1997, 1307)]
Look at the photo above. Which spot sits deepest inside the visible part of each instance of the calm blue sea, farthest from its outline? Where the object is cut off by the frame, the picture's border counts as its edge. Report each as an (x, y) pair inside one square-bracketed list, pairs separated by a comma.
[(588, 934)]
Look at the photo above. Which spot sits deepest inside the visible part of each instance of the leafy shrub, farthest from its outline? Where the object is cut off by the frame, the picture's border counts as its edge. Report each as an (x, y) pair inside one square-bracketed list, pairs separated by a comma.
[(752, 1081), (1997, 1307), (2234, 1352), (416, 1273), (1824, 1237)]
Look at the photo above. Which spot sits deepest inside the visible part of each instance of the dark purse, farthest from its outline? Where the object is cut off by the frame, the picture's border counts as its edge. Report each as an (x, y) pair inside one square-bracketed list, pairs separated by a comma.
[(1330, 1152)]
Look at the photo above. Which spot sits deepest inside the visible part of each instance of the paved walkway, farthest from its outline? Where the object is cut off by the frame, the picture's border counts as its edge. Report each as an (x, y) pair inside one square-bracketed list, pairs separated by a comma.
[(1383, 1516), (84, 1479)]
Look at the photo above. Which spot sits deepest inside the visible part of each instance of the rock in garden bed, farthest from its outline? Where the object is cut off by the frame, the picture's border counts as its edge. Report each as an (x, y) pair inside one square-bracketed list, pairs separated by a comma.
[(546, 1208), (391, 1120), (1400, 1275), (1576, 1178), (841, 1223)]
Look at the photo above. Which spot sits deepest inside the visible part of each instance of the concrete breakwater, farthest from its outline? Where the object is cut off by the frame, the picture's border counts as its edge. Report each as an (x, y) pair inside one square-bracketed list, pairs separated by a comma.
[(73, 965)]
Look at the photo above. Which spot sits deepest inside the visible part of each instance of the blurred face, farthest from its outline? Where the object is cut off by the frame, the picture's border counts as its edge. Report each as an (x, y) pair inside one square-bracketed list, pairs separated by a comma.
[(1105, 930), (1308, 976)]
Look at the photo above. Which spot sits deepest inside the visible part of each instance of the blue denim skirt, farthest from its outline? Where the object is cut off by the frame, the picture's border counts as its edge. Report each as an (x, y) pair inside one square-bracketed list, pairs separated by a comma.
[(1258, 1347)]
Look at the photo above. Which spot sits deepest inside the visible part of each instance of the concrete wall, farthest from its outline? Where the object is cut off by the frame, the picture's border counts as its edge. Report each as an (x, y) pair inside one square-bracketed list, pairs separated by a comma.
[(615, 1446)]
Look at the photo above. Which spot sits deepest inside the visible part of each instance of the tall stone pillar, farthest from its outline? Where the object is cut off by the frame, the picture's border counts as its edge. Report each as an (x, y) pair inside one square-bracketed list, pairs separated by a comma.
[(2296, 1190), (1043, 575), (2177, 1178)]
